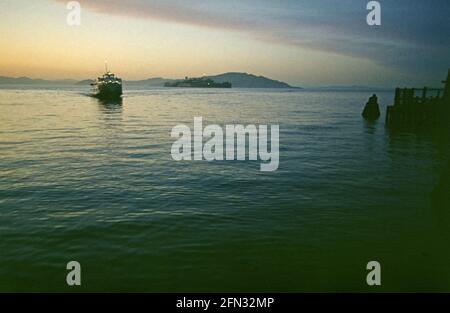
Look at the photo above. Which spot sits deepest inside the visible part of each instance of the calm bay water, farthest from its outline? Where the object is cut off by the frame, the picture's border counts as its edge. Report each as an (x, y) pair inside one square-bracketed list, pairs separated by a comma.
[(95, 182)]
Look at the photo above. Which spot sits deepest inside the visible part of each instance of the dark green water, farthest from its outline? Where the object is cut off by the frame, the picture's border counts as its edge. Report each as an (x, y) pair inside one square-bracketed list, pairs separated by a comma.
[(95, 183)]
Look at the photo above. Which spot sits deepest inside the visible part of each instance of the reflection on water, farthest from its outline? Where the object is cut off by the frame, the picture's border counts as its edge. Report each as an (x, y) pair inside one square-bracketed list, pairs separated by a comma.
[(370, 126), (94, 181), (111, 104), (441, 199)]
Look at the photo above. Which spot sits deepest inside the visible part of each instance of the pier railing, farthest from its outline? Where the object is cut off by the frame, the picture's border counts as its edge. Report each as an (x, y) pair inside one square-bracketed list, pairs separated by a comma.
[(404, 96), (420, 107)]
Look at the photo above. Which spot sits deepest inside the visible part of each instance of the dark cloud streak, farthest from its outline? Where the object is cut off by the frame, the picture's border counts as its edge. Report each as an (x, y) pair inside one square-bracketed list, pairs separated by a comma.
[(415, 35)]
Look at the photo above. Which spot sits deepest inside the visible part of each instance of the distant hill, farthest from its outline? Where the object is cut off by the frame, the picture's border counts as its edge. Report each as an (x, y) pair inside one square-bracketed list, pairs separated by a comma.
[(151, 82), (85, 82), (244, 80), (30, 81), (237, 80), (20, 80)]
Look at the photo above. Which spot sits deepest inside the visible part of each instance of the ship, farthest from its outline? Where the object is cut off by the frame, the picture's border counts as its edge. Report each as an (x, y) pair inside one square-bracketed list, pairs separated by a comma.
[(107, 86)]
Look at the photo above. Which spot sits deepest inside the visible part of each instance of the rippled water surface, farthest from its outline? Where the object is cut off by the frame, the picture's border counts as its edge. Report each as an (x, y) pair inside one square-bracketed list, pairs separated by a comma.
[(95, 182)]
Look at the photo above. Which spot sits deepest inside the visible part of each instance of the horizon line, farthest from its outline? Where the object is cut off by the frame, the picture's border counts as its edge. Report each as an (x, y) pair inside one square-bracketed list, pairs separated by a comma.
[(305, 85)]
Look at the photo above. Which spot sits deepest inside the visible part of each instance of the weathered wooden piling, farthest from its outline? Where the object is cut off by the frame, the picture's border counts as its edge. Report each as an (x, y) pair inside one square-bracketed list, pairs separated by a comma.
[(418, 108), (371, 110)]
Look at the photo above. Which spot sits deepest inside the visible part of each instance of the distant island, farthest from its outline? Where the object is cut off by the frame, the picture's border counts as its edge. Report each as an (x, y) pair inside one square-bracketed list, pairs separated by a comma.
[(235, 79), (198, 83), (245, 80)]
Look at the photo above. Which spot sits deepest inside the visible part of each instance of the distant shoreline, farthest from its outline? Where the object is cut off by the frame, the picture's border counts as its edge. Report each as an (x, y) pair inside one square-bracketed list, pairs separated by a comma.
[(238, 80)]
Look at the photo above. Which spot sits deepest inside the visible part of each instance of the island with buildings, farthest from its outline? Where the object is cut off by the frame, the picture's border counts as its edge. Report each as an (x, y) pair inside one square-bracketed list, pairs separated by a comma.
[(200, 82)]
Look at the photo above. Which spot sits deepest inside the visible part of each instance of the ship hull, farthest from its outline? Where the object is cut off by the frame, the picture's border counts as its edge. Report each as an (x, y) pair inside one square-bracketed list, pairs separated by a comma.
[(108, 91)]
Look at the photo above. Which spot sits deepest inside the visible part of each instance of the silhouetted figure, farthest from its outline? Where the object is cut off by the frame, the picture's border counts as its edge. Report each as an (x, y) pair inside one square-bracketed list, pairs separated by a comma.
[(371, 110)]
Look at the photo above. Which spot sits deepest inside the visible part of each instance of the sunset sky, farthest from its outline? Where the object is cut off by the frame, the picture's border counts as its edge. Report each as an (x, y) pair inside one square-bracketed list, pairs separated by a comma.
[(304, 43)]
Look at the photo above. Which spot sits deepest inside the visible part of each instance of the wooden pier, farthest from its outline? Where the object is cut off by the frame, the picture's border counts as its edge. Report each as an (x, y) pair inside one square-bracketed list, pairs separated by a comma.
[(417, 108)]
